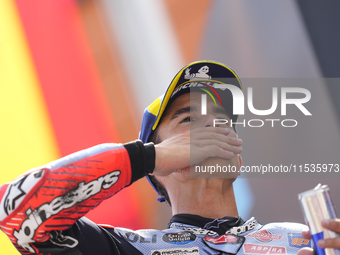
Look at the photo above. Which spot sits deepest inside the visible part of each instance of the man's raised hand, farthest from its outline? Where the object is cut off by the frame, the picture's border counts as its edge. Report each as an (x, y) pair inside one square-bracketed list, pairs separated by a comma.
[(191, 147)]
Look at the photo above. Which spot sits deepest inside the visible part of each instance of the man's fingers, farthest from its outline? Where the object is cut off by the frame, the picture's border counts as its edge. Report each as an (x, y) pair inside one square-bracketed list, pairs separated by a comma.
[(334, 243), (306, 234), (305, 251), (333, 225), (220, 144), (192, 147), (329, 243), (230, 138), (218, 130), (210, 131), (216, 151), (215, 142)]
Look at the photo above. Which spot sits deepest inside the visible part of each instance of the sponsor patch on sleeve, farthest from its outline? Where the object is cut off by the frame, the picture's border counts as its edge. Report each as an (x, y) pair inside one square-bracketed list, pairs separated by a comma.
[(32, 224), (17, 191)]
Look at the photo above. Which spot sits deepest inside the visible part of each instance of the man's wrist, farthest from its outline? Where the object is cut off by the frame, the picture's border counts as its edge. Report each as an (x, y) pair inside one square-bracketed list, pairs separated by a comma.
[(142, 158), (150, 157)]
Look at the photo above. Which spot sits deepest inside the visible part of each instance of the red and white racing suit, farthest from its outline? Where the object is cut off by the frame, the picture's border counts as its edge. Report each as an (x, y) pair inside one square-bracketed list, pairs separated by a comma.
[(42, 212)]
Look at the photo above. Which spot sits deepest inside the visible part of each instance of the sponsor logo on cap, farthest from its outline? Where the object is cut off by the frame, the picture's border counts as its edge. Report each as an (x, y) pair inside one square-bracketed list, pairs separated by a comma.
[(202, 73), (201, 84)]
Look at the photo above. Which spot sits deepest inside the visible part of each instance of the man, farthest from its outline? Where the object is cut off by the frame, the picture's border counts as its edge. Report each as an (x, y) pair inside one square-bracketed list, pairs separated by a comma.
[(41, 210)]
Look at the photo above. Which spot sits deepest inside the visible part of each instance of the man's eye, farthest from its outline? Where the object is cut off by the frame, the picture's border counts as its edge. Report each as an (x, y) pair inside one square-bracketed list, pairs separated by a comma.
[(186, 119)]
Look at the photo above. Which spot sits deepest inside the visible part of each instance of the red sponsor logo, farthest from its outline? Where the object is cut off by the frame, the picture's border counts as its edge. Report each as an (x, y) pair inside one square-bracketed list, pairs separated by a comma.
[(264, 236), (263, 249), (221, 239)]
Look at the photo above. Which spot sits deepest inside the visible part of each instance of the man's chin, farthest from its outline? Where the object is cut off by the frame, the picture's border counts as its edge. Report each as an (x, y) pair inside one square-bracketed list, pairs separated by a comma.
[(215, 168)]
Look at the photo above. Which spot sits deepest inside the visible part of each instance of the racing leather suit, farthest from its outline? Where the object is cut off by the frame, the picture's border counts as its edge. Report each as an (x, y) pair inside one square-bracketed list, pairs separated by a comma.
[(42, 212)]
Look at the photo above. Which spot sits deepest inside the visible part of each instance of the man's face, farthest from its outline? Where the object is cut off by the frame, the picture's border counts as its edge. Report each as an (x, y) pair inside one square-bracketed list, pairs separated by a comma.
[(184, 114)]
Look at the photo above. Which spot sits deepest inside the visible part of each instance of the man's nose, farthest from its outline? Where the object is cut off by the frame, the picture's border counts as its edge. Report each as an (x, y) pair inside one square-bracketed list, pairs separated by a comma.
[(209, 120)]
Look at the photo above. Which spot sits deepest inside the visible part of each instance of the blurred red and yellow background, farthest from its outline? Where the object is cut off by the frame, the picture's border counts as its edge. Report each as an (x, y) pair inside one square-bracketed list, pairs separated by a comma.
[(77, 73), (63, 88)]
